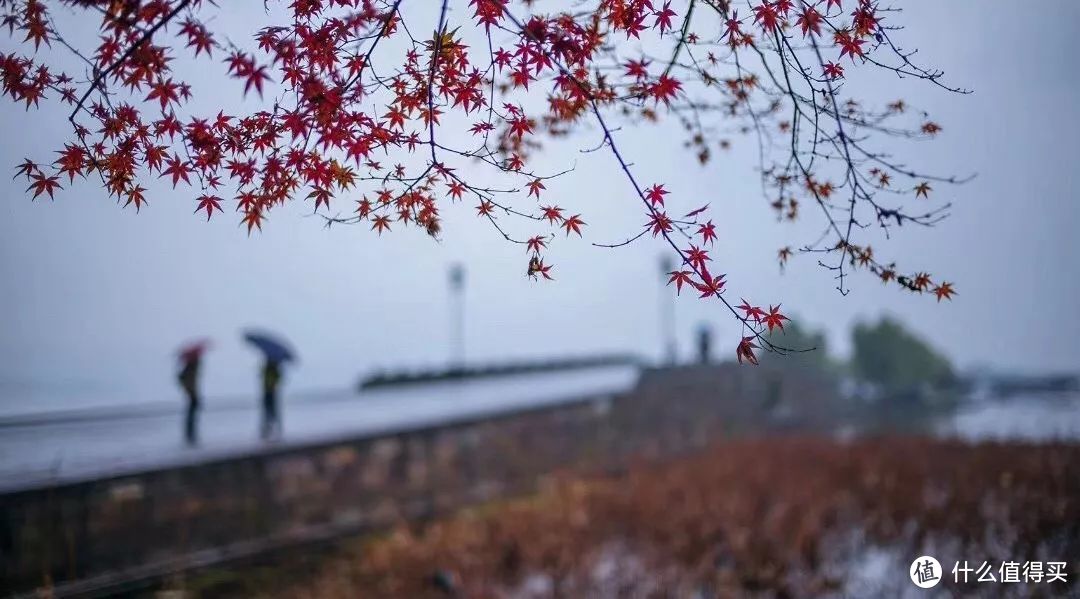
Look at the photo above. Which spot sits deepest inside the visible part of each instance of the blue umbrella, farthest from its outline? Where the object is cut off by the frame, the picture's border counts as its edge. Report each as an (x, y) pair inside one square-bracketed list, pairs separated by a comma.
[(273, 348)]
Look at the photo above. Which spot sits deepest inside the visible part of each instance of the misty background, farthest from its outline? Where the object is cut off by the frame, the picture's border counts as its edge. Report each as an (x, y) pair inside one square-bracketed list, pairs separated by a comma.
[(97, 299)]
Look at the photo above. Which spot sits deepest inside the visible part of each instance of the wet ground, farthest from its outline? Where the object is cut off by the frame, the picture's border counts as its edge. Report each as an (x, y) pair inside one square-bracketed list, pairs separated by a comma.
[(59, 447), (55, 447)]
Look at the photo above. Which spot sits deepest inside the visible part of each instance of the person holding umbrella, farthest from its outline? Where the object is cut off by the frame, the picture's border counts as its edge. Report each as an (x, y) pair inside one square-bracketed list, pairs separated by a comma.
[(190, 356), (275, 352)]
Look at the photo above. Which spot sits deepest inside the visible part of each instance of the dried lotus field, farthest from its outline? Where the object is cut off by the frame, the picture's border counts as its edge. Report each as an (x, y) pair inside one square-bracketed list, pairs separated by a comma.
[(770, 517)]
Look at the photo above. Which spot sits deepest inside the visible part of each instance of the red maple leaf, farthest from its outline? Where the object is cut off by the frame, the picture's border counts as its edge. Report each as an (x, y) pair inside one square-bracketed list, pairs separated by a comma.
[(253, 219), (707, 232), (197, 37), (519, 126), (849, 45), (537, 267), (663, 17), (665, 89), (485, 208), (765, 15), (135, 196), (754, 313), (72, 161), (694, 213), (655, 194), (809, 21), (732, 28), (660, 223), (944, 291), (380, 224), (456, 189), (553, 214), (833, 70), (711, 286), (177, 169), (680, 277), (476, 129), (165, 92), (774, 318), (42, 184), (321, 195), (638, 69), (745, 350), (535, 186), (255, 79), (696, 257), (209, 203), (535, 244), (27, 168), (574, 223)]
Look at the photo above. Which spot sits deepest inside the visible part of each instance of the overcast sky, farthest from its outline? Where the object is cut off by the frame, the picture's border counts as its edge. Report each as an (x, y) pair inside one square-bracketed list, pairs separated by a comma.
[(95, 299)]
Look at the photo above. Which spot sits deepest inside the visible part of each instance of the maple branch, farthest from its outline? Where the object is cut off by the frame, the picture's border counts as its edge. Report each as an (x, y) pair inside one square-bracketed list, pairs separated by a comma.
[(99, 76), (757, 333)]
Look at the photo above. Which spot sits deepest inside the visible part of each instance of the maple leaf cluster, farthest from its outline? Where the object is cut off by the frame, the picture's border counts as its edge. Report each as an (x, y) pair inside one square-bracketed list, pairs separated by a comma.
[(362, 113)]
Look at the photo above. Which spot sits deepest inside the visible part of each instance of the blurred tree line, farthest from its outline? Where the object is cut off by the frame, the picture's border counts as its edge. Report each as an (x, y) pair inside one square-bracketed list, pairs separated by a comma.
[(893, 358), (885, 355)]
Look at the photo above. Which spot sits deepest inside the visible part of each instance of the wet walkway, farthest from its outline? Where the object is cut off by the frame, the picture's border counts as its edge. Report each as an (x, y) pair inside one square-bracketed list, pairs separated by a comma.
[(38, 451)]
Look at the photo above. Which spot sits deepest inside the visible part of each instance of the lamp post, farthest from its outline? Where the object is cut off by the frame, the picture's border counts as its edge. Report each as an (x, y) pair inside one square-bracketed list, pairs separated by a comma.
[(667, 312), (457, 318)]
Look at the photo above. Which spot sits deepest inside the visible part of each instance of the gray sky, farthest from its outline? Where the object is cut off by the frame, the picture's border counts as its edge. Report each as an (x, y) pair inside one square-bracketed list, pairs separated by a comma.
[(97, 298)]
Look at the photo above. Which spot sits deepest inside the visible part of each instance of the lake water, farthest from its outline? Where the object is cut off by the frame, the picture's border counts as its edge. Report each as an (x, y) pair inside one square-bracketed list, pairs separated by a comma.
[(1044, 417)]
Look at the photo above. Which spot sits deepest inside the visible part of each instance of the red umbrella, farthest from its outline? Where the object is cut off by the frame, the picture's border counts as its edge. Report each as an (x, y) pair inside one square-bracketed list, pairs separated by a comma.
[(193, 350)]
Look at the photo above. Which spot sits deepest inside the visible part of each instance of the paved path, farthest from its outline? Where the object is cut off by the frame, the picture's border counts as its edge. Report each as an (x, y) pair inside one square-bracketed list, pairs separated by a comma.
[(90, 444)]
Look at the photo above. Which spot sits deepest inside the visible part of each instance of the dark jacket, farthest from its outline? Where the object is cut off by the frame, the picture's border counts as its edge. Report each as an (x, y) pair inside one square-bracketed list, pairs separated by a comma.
[(189, 377)]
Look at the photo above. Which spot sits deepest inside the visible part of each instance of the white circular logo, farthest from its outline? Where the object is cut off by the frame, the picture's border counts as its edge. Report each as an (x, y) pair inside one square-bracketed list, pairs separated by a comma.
[(925, 572)]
